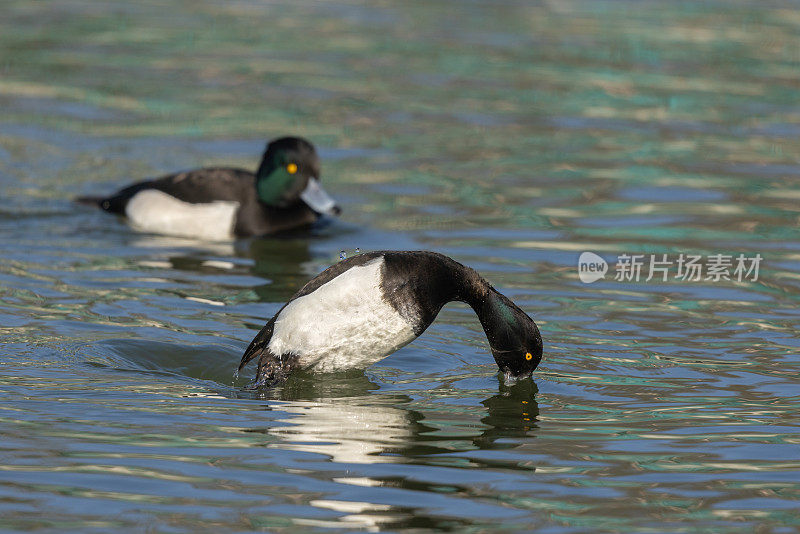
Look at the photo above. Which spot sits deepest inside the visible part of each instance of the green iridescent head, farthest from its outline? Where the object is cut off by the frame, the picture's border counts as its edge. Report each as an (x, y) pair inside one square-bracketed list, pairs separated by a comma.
[(289, 174), (513, 336)]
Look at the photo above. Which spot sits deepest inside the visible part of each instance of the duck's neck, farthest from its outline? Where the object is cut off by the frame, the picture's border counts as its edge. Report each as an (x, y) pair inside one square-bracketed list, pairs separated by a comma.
[(470, 287), (499, 317), (433, 280), (494, 311)]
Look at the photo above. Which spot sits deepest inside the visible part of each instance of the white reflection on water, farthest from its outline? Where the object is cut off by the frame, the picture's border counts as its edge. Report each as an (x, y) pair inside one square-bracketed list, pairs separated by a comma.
[(157, 242), (347, 432), (357, 515)]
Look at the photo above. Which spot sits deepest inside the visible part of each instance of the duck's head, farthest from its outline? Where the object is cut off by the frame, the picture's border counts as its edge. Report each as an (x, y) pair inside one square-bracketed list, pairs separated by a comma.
[(513, 336), (289, 173)]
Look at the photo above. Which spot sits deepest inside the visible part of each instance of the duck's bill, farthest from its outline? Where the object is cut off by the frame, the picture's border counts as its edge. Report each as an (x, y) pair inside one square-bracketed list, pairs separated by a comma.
[(318, 200)]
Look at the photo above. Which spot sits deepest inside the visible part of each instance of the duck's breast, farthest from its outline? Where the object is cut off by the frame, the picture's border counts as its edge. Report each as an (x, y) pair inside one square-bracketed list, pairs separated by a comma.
[(345, 323)]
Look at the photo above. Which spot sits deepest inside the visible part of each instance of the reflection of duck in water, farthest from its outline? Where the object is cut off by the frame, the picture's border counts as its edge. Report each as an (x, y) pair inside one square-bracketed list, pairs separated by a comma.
[(339, 416), (362, 309), (512, 414), (220, 203), (284, 262)]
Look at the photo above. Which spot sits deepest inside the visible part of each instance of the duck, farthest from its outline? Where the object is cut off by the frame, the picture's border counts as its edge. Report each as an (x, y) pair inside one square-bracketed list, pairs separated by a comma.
[(365, 307), (223, 203)]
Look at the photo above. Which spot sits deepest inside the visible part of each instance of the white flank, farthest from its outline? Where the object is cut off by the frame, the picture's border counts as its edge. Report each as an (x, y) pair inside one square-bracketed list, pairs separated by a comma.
[(157, 212), (345, 323)]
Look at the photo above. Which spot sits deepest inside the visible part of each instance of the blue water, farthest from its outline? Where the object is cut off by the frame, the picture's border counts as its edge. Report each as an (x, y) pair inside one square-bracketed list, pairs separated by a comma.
[(511, 136)]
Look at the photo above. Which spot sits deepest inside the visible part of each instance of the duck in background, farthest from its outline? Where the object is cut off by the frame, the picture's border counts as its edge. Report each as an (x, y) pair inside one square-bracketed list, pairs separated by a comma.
[(365, 307), (221, 203)]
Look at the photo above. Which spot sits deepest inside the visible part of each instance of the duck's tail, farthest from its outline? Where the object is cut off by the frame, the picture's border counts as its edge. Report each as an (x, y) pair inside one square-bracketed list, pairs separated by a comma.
[(272, 368), (96, 202), (258, 346)]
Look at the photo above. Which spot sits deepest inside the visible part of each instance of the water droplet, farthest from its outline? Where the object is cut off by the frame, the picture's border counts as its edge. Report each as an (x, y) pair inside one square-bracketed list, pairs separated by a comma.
[(236, 374), (342, 255)]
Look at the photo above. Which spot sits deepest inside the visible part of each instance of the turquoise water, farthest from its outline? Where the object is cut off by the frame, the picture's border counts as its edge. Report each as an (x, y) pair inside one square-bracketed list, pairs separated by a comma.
[(512, 136)]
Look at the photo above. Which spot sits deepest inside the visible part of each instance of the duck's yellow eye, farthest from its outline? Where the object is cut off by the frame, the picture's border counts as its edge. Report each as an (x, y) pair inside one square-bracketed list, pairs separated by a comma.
[(528, 356), (292, 168)]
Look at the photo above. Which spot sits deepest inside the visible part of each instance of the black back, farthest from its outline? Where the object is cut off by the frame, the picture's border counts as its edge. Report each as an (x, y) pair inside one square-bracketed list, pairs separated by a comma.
[(196, 187)]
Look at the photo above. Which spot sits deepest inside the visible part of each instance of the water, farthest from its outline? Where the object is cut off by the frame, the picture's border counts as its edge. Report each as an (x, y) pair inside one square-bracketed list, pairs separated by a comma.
[(512, 136)]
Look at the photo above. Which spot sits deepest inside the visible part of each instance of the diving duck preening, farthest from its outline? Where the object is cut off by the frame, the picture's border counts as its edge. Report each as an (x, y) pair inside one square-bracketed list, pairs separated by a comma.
[(364, 308), (220, 203)]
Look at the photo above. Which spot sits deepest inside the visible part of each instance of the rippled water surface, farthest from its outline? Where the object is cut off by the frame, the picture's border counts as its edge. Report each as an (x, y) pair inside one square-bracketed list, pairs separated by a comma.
[(512, 136)]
